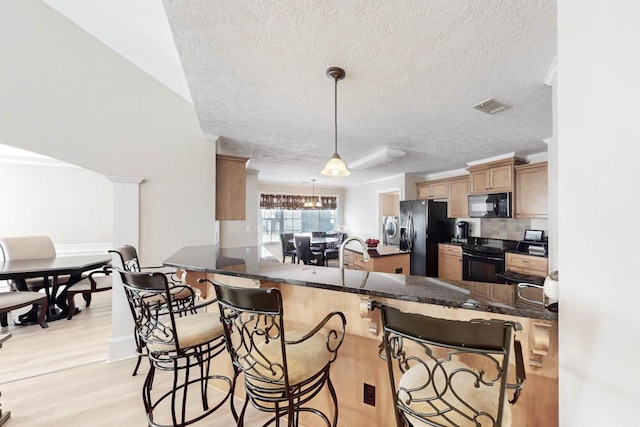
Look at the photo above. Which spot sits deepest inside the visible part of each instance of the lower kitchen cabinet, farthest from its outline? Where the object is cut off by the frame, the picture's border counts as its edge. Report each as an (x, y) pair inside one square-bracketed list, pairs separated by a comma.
[(396, 263), (527, 264), (449, 261)]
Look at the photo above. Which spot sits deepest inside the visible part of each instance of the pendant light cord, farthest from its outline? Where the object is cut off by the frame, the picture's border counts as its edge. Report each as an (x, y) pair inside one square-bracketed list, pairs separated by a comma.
[(335, 115)]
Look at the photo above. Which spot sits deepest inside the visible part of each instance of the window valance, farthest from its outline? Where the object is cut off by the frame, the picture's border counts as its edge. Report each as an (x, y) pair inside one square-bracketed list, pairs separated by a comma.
[(293, 201)]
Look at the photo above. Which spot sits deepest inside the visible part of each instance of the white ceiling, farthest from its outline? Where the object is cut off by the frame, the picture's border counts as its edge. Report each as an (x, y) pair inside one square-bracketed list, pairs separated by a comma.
[(256, 74)]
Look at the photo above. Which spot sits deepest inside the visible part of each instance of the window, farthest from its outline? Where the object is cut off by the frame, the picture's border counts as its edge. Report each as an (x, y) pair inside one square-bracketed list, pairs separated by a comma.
[(286, 214)]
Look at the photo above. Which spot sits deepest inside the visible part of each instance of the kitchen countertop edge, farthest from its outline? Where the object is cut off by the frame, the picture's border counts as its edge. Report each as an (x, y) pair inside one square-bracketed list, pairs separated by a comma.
[(352, 282)]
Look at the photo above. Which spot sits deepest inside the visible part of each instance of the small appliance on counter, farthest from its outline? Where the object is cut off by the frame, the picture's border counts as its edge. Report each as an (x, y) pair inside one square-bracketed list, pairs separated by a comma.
[(462, 232), (534, 243)]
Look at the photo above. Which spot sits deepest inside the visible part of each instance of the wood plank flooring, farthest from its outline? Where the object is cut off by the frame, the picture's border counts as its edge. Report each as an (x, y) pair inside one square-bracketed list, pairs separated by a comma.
[(59, 376)]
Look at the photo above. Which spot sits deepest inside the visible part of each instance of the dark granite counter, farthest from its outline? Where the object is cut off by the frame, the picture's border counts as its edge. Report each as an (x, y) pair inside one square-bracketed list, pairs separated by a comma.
[(256, 263), (380, 251), (515, 251)]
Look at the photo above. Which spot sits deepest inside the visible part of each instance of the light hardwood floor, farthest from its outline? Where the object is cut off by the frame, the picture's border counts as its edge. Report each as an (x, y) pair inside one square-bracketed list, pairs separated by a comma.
[(59, 376)]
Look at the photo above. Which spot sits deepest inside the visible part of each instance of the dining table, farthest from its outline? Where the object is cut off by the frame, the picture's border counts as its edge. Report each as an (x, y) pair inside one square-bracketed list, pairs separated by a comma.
[(316, 241), (73, 266)]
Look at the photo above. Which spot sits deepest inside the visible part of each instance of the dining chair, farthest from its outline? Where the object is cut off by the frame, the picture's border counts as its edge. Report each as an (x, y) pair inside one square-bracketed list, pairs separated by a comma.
[(333, 250), (452, 373), (97, 281), (31, 247), (304, 252), (320, 247), (13, 300), (181, 340), (283, 369), (288, 248), (182, 295)]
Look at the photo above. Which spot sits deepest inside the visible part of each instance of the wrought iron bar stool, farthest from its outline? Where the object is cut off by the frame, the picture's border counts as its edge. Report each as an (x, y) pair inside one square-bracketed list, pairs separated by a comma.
[(182, 295), (178, 341), (453, 373), (283, 370)]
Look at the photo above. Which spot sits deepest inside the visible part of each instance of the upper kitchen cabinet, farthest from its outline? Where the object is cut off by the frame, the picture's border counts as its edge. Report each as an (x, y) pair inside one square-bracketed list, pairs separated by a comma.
[(458, 206), (231, 187), (438, 189), (493, 177), (531, 191)]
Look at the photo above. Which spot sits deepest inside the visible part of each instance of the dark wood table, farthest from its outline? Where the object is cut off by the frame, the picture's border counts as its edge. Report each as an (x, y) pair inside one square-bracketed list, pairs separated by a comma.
[(74, 266), (319, 240)]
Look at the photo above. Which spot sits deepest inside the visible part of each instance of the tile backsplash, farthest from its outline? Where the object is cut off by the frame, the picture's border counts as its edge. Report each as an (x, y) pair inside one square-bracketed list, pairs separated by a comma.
[(506, 228)]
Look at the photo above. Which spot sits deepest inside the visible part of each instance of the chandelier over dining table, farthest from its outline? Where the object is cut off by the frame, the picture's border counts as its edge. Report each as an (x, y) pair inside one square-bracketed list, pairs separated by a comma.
[(313, 202)]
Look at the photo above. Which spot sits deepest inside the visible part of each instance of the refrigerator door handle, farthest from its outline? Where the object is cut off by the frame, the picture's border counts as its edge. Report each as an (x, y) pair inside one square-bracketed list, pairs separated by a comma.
[(410, 232)]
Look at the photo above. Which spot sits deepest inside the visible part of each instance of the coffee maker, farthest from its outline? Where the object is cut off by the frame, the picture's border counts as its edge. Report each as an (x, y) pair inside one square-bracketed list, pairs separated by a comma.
[(462, 231)]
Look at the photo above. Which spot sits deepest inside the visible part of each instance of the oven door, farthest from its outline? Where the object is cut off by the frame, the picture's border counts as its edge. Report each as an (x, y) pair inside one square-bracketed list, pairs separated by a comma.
[(481, 267)]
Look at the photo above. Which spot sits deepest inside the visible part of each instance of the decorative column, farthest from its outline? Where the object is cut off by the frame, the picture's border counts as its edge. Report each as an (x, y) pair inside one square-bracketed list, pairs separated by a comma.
[(126, 231)]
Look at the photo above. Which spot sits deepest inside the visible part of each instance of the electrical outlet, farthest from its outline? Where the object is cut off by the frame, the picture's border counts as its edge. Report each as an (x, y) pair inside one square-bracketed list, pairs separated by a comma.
[(369, 394)]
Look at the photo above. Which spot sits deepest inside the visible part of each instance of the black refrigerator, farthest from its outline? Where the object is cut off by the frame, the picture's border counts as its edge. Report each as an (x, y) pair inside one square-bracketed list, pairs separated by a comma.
[(424, 224)]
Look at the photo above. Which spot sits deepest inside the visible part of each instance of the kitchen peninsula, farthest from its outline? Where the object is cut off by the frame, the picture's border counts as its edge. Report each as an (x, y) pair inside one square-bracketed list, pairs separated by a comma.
[(384, 259), (309, 292)]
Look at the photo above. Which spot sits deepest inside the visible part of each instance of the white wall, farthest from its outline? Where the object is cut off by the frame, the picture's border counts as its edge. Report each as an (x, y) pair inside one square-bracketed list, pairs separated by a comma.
[(70, 204), (68, 96), (363, 218), (598, 157)]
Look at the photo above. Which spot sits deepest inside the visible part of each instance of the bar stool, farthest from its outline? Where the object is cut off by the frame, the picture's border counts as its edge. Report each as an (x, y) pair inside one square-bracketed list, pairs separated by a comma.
[(283, 370), (182, 295), (453, 373), (177, 341)]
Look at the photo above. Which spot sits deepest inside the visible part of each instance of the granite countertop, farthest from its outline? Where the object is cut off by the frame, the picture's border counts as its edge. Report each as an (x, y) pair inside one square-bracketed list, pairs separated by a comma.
[(380, 251), (515, 251), (257, 263)]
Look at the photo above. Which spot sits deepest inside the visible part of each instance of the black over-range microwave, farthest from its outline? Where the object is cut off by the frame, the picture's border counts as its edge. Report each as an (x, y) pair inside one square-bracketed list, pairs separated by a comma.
[(490, 205)]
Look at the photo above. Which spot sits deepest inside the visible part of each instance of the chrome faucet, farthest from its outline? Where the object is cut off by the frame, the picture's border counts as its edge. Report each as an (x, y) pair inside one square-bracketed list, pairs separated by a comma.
[(365, 253)]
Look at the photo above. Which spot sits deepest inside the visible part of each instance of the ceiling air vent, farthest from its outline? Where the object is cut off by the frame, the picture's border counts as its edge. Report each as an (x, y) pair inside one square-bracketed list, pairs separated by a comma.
[(490, 106)]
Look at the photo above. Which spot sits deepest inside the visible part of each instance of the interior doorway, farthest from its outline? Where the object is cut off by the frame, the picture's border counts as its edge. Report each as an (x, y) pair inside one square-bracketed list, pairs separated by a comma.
[(388, 205)]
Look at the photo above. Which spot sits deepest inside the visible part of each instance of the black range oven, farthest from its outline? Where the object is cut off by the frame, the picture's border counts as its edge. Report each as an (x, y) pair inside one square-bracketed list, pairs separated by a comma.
[(482, 260)]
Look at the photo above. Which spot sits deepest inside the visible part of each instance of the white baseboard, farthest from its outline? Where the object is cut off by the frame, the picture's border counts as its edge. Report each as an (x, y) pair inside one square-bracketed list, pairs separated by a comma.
[(121, 348)]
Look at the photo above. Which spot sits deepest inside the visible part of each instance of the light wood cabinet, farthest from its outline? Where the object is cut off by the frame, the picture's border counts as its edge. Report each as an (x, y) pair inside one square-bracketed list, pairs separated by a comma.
[(396, 264), (433, 189), (449, 261), (493, 177), (527, 264), (458, 206), (531, 195), (231, 187)]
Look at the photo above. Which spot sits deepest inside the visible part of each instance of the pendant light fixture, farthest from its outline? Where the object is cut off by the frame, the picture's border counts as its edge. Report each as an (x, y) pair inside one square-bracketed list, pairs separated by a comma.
[(335, 166), (311, 203)]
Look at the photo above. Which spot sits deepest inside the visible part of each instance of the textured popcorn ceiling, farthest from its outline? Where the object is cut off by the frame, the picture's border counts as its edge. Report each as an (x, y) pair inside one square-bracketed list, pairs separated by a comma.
[(256, 73)]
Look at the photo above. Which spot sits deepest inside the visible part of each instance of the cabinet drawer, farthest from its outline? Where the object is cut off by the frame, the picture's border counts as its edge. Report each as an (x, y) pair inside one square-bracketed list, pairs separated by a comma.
[(527, 264), (454, 250), (358, 263)]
